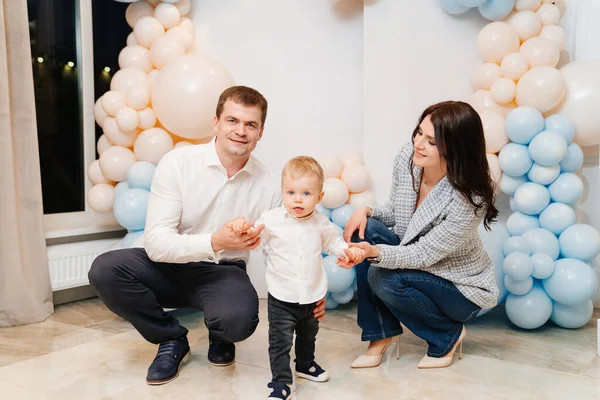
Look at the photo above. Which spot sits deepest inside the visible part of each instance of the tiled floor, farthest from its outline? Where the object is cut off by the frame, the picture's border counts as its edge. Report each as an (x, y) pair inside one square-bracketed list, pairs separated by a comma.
[(85, 352)]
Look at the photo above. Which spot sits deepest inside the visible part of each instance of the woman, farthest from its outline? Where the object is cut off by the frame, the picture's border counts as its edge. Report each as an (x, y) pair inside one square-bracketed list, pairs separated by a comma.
[(430, 272)]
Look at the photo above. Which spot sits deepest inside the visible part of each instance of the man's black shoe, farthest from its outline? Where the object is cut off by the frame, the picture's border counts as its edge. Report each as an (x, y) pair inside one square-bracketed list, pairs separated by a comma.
[(220, 353), (169, 357)]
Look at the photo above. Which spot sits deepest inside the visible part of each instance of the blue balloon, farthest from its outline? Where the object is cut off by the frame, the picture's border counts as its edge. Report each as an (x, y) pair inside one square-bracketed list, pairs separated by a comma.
[(341, 215), (518, 266), (523, 123), (471, 3), (343, 297), (513, 204), (495, 10), (572, 317), (518, 287), (140, 175), (509, 184), (532, 198), (548, 148), (543, 241), (543, 175), (543, 266), (516, 244), (572, 282), (529, 311), (515, 159), (330, 304), (580, 241), (130, 209), (121, 188), (131, 238), (561, 124), (574, 159), (338, 229), (519, 223), (493, 242), (338, 278), (453, 7), (557, 217), (567, 188), (325, 211)]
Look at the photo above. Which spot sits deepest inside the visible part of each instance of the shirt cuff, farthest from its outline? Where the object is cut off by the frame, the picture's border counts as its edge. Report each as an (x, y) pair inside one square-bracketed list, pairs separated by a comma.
[(203, 248), (388, 256)]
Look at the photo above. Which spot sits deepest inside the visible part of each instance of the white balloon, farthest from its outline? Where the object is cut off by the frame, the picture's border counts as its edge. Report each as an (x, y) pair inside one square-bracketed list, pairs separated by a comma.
[(184, 6), (147, 30), (351, 158), (482, 100), (138, 97), (131, 41), (540, 52), (493, 130), (549, 14), (136, 11), (135, 57), (331, 164), (153, 3), (356, 177), (495, 169), (503, 90), (116, 135), (100, 197), (556, 34), (484, 75), (152, 144), (99, 113), (362, 199), (167, 14), (103, 144), (95, 174), (531, 5), (127, 119), (112, 101), (183, 143), (513, 66), (182, 35), (147, 118), (336, 193), (542, 88), (496, 40), (526, 23), (115, 162), (126, 78), (562, 6), (165, 49)]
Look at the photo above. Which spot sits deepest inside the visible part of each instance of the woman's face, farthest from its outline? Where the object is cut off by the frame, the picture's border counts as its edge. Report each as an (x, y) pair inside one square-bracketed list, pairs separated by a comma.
[(426, 153)]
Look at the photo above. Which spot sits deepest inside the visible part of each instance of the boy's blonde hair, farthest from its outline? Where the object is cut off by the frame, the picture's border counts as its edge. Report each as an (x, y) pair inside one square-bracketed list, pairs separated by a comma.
[(303, 165)]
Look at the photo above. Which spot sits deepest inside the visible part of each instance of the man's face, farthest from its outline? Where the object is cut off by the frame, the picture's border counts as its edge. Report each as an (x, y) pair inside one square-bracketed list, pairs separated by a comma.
[(238, 129)]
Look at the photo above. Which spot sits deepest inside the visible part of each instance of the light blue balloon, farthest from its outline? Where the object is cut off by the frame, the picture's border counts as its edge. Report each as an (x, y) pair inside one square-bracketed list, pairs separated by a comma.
[(567, 188), (493, 242), (338, 229), (121, 188), (516, 244), (543, 266), (140, 175), (453, 7), (572, 317), (515, 159), (557, 217), (338, 278), (509, 184), (529, 311), (518, 266), (532, 198), (131, 238), (341, 215), (471, 3), (574, 159), (580, 241), (355, 285), (513, 204), (572, 282), (543, 241), (325, 211), (343, 297), (523, 123), (495, 10), (543, 175), (561, 124), (330, 304), (518, 287), (548, 148), (130, 209), (519, 223)]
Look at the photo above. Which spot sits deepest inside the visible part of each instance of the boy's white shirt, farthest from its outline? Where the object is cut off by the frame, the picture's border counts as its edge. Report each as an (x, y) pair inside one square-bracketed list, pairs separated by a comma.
[(293, 250)]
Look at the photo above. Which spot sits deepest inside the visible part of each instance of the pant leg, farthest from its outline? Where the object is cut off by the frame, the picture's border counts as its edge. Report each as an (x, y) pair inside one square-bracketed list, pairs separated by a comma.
[(135, 288), (282, 321), (227, 297), (306, 335), (375, 319), (430, 306)]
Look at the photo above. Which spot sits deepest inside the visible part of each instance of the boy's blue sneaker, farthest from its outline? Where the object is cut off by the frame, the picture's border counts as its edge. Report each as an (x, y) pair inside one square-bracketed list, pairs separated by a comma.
[(281, 391), (313, 373)]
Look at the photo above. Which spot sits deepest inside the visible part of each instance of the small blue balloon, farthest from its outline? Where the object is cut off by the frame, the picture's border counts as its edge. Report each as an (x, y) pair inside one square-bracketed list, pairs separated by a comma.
[(543, 266), (132, 238), (572, 317), (513, 205), (121, 188), (532, 198), (471, 3), (453, 7), (343, 297), (495, 10), (130, 209), (572, 282), (338, 229), (548, 148), (543, 175), (557, 217), (543, 241), (519, 223), (516, 244), (509, 184), (330, 304), (515, 159), (561, 124), (338, 278), (325, 211), (518, 266), (518, 287), (523, 123), (493, 241), (140, 175), (580, 241), (574, 159), (567, 188), (341, 215), (531, 310)]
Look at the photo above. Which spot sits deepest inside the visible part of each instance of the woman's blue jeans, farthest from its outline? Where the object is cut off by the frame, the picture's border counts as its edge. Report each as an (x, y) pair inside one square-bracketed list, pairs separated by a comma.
[(430, 306)]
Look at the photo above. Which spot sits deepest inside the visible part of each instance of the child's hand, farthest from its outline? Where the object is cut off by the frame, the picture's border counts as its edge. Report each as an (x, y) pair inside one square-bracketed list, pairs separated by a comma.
[(352, 256), (238, 225)]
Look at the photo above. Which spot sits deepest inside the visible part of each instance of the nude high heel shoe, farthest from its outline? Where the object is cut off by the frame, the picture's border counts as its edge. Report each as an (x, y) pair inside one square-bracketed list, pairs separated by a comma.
[(443, 362), (366, 361)]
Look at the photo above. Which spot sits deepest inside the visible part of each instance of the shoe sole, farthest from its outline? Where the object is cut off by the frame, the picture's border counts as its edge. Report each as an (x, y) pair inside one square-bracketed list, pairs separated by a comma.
[(311, 378), (157, 383), (220, 365)]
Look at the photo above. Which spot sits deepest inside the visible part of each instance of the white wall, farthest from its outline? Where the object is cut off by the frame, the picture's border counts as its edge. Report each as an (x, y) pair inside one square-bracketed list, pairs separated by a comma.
[(306, 58)]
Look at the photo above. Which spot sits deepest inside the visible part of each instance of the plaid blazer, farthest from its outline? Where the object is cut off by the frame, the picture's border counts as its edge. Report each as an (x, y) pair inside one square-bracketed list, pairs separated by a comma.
[(440, 237)]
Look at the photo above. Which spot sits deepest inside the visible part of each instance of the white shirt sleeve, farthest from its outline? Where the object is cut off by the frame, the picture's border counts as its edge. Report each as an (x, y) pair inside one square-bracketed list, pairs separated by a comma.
[(264, 234), (331, 242), (162, 240)]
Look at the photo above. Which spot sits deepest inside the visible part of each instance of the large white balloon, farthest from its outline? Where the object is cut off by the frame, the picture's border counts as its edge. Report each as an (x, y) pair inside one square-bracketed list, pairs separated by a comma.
[(542, 88), (152, 144), (331, 164), (496, 41), (356, 177), (336, 193), (185, 94), (115, 162)]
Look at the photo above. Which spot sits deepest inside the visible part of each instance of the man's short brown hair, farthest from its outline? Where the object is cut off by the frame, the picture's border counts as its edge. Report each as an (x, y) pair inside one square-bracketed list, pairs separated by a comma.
[(245, 96), (301, 166)]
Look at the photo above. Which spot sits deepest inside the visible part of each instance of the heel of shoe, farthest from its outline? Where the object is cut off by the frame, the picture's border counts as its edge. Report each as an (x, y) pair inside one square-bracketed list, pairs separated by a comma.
[(460, 350), (397, 348)]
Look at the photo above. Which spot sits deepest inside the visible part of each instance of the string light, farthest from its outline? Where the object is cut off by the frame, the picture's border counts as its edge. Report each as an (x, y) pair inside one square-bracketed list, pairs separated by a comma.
[(106, 69), (71, 64), (40, 59)]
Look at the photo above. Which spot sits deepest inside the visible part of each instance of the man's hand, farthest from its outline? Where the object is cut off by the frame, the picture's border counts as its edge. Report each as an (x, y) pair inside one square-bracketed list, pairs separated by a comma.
[(226, 239), (319, 310)]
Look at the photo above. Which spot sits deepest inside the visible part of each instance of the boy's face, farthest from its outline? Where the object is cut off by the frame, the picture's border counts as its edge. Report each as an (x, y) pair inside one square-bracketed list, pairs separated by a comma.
[(301, 195)]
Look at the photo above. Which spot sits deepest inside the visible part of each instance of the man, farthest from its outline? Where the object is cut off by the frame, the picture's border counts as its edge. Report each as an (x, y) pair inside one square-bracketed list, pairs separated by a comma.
[(190, 257)]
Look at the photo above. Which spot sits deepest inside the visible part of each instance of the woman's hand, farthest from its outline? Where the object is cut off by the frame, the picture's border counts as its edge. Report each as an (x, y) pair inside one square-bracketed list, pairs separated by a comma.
[(358, 220)]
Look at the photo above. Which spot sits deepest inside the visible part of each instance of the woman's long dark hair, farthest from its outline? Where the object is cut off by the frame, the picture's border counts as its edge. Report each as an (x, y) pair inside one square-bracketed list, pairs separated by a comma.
[(460, 141)]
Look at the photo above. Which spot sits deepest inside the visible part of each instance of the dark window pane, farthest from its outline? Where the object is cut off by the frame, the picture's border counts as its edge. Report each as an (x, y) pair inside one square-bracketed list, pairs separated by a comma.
[(58, 106)]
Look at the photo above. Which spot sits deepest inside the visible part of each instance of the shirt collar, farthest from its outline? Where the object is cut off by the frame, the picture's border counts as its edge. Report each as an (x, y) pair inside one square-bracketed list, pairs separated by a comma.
[(212, 158)]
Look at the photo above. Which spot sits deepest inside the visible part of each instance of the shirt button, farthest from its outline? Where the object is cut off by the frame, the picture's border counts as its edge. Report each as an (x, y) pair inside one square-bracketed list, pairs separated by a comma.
[(211, 258)]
